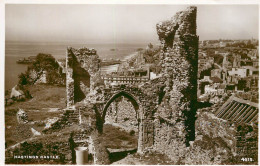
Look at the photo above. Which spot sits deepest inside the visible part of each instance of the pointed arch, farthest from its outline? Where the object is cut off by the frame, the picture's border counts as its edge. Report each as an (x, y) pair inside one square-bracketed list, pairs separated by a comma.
[(132, 99)]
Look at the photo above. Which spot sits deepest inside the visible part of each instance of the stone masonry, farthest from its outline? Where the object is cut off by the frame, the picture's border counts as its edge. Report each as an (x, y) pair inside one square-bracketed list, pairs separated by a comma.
[(122, 113), (179, 63), (82, 65), (166, 106)]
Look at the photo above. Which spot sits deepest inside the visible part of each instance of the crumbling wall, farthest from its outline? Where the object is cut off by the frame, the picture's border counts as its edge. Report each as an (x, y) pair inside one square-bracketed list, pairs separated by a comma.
[(221, 142), (209, 125), (215, 141), (169, 139), (167, 105), (69, 78), (82, 65), (246, 143), (206, 151), (175, 126), (98, 150)]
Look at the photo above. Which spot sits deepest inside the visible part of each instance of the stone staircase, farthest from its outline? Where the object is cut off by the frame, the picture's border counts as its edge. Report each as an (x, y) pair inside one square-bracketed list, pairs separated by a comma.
[(72, 115)]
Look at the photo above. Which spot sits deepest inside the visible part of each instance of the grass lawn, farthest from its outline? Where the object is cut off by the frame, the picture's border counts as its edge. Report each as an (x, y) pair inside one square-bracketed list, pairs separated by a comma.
[(45, 97), (116, 138)]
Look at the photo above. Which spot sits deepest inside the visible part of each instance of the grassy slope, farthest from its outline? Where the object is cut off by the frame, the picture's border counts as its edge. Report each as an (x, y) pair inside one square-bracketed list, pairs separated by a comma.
[(47, 96), (44, 97)]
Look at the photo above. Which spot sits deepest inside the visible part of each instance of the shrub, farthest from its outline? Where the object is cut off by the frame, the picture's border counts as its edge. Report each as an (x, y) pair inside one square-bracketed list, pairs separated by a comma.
[(132, 132), (24, 78), (43, 62), (126, 119)]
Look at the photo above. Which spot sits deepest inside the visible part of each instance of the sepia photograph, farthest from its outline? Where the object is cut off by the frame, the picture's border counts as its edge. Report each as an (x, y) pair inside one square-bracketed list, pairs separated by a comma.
[(131, 84)]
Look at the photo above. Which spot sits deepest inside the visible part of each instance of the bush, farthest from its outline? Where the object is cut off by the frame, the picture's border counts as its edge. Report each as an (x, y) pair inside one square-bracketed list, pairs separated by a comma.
[(24, 78), (132, 132), (43, 63)]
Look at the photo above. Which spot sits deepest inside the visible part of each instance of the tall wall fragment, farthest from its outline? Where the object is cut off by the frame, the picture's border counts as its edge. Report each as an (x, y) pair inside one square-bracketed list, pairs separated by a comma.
[(167, 105), (179, 66), (82, 66)]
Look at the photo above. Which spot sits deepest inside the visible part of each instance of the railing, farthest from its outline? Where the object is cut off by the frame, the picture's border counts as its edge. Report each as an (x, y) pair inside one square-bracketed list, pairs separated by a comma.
[(125, 79)]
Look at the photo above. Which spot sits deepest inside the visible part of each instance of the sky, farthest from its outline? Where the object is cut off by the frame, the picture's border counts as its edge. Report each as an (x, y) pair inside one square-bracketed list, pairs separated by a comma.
[(122, 23)]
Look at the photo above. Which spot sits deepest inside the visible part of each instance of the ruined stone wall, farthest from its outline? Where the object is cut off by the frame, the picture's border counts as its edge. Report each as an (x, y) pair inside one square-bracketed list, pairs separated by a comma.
[(247, 143), (214, 143), (166, 106), (168, 139), (82, 66), (221, 142), (209, 125), (99, 151), (175, 126), (144, 100), (69, 78)]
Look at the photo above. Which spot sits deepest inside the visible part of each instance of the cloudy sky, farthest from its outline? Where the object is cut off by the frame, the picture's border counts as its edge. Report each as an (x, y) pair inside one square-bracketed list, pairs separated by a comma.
[(122, 23)]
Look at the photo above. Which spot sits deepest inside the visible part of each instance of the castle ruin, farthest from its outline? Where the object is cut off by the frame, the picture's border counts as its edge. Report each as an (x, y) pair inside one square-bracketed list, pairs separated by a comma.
[(165, 107)]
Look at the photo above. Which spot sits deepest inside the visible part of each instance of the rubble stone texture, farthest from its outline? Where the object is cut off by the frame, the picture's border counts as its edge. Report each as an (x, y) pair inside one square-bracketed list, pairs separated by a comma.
[(179, 63), (22, 117), (122, 113), (247, 141), (81, 64), (144, 101), (165, 106)]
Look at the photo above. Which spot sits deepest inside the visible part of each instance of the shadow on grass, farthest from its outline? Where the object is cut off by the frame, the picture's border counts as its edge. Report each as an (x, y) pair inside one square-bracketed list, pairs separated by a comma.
[(116, 138), (116, 156)]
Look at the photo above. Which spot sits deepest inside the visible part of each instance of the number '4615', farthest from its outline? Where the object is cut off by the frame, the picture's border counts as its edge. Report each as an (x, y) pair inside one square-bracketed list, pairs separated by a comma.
[(246, 159)]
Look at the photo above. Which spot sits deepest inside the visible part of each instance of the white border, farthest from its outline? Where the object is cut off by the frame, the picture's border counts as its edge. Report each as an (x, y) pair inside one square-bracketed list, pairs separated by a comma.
[(2, 89), (132, 1), (2, 35)]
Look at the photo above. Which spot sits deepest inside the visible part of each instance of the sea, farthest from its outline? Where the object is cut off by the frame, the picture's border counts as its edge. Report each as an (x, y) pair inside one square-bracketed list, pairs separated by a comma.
[(19, 50)]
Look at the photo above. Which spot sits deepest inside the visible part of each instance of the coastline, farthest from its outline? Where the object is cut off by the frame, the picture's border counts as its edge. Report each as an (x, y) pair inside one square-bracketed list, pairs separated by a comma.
[(128, 57), (12, 69), (113, 68)]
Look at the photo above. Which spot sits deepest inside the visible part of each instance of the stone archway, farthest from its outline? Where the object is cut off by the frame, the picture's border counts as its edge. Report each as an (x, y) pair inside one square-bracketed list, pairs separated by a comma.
[(138, 110), (129, 96), (167, 103)]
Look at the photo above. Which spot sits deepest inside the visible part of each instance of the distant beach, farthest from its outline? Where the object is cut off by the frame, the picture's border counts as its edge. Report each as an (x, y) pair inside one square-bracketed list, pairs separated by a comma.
[(130, 56), (17, 50)]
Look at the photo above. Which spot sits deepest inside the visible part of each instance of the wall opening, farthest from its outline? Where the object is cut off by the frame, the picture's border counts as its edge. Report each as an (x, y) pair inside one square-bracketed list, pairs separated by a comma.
[(121, 115)]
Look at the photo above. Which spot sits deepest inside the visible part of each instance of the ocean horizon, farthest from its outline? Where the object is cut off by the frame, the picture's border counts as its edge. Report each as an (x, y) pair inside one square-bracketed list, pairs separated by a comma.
[(19, 50)]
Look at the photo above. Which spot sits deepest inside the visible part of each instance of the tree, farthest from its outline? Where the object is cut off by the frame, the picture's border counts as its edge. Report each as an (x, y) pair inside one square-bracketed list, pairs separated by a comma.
[(241, 84), (47, 63), (7, 92), (24, 78), (44, 62)]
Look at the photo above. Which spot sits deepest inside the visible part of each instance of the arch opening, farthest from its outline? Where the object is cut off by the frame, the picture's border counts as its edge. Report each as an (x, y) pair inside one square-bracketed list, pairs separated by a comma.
[(121, 114), (122, 109), (131, 98)]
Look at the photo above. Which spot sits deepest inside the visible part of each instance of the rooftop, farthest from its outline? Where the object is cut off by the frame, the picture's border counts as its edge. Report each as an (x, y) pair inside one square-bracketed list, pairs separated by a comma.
[(238, 111)]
